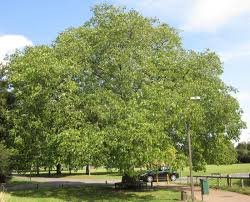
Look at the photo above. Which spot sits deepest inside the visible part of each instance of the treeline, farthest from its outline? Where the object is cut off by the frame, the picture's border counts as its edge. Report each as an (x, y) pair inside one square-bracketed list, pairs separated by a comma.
[(243, 152), (115, 92)]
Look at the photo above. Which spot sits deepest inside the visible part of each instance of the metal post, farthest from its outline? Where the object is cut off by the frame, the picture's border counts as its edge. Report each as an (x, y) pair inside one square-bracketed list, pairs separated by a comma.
[(190, 163), (194, 98)]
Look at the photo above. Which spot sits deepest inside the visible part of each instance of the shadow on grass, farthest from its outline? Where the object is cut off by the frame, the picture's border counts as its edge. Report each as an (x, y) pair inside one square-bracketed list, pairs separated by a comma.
[(94, 193), (107, 173), (19, 182), (54, 175)]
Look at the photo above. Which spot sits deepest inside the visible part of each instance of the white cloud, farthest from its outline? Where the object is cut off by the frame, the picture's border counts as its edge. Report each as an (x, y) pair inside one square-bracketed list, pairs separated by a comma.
[(244, 98), (210, 15), (245, 135), (193, 15), (9, 43), (240, 51), (163, 9)]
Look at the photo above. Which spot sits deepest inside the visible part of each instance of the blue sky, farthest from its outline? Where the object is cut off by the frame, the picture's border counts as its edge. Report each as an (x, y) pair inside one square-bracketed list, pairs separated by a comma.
[(222, 26)]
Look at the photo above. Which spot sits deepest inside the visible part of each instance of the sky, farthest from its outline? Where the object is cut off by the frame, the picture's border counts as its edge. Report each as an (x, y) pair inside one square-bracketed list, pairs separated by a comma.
[(222, 26)]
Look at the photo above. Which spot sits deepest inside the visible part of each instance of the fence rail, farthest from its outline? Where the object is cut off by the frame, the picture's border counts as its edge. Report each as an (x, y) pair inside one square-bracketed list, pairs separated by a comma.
[(219, 177)]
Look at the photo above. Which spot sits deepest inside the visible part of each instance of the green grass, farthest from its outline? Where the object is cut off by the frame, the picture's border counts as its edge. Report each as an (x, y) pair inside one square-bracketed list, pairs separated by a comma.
[(53, 172), (223, 169), (16, 180), (93, 177), (245, 190), (90, 193), (96, 174), (236, 185), (103, 174)]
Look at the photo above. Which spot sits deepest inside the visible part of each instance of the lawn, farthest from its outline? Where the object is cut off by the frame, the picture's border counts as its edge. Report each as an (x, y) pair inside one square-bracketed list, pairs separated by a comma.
[(16, 180), (245, 190), (223, 169), (236, 185), (90, 193), (103, 174), (96, 174)]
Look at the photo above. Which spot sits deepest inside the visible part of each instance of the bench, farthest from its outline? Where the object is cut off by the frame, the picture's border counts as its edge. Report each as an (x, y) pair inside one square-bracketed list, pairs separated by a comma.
[(131, 185)]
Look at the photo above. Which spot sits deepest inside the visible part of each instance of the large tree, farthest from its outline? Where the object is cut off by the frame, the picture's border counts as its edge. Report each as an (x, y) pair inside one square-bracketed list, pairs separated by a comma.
[(116, 92)]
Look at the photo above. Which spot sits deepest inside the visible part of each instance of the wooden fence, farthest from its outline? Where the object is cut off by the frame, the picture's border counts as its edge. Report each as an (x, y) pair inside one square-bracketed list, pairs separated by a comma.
[(219, 177)]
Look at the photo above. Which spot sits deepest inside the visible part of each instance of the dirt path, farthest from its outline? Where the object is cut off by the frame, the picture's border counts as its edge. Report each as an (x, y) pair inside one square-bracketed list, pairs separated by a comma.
[(214, 195), (221, 196)]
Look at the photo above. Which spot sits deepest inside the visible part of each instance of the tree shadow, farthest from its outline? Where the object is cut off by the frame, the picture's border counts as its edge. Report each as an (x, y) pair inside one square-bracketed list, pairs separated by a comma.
[(110, 173), (90, 193), (54, 175)]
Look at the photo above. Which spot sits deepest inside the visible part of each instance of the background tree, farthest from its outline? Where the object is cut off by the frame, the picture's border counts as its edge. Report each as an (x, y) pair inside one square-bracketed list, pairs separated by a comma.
[(6, 140), (243, 152), (5, 163), (6, 103)]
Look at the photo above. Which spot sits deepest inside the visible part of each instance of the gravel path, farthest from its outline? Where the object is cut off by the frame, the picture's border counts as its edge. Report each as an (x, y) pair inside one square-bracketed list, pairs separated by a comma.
[(214, 195), (225, 196)]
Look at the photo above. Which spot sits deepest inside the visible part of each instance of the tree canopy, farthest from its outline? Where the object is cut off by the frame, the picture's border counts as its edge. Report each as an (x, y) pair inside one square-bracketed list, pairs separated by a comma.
[(116, 92)]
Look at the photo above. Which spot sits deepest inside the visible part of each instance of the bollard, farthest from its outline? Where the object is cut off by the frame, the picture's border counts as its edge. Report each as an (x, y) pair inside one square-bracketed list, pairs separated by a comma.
[(218, 182), (3, 187), (228, 180), (242, 183), (183, 196)]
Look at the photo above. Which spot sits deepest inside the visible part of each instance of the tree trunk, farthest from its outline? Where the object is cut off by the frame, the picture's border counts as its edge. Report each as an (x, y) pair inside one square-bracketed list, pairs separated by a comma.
[(2, 178), (88, 169), (37, 169), (58, 169), (49, 170)]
